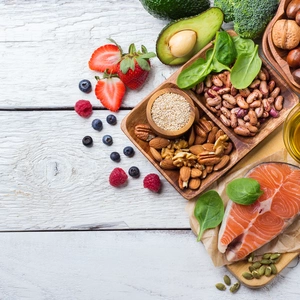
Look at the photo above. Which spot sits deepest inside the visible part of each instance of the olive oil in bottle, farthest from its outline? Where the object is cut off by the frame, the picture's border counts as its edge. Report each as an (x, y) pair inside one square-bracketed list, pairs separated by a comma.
[(292, 135)]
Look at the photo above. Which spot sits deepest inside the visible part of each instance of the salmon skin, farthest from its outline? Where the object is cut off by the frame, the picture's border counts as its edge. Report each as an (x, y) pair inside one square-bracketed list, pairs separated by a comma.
[(246, 228)]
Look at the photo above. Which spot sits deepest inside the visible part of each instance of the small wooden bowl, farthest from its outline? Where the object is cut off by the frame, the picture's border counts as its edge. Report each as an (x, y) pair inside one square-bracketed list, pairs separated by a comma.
[(169, 133)]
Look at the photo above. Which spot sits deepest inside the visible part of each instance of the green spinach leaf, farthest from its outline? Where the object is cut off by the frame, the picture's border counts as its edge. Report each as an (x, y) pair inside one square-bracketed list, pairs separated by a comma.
[(225, 51), (245, 69), (243, 191), (194, 74), (243, 45), (209, 211)]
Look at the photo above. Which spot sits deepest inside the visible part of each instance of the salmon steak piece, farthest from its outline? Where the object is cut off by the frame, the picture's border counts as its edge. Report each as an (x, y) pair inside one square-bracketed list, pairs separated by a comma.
[(246, 228)]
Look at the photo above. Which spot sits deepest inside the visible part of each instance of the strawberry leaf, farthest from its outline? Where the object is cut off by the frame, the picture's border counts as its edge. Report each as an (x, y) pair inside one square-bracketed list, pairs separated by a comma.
[(143, 63), (126, 64), (144, 49), (148, 55)]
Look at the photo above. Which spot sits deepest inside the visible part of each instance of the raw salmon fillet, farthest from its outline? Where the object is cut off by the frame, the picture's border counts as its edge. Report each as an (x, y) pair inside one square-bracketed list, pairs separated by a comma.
[(245, 228)]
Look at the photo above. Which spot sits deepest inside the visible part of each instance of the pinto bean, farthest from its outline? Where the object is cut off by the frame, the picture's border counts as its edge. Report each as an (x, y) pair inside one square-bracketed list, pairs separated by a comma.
[(278, 102), (271, 85), (225, 120), (213, 101), (233, 120), (229, 98), (256, 103), (216, 80), (253, 96), (241, 102), (252, 117), (242, 130), (245, 92), (263, 87), (275, 92)]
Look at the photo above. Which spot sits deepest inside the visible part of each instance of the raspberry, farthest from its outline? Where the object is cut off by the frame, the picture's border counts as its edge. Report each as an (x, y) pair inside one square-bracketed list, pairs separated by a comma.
[(84, 108), (152, 182), (117, 177)]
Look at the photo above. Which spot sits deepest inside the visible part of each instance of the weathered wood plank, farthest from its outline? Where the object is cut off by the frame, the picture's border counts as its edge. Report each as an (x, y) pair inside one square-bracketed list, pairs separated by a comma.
[(45, 47), (120, 265), (49, 180)]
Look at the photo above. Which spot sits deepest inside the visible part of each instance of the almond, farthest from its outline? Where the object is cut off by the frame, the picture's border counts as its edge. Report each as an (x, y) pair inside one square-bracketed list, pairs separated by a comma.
[(195, 173), (196, 149), (159, 143), (167, 164), (185, 174), (156, 155), (194, 183)]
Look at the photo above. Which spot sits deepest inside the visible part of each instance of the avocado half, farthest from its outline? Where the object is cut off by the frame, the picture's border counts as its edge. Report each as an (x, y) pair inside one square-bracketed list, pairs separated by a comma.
[(175, 9), (205, 26)]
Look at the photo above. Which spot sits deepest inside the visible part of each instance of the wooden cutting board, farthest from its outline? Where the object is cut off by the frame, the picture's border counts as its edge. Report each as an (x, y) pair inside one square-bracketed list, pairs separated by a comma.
[(237, 269)]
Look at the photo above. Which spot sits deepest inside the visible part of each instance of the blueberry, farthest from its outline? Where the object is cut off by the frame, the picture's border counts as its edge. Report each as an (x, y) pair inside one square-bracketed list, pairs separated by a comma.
[(134, 172), (115, 156), (87, 141), (111, 119), (107, 140), (85, 86), (97, 124), (128, 151)]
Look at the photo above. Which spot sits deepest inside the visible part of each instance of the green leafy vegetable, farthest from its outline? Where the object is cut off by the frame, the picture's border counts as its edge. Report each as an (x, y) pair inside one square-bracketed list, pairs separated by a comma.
[(243, 45), (245, 69), (225, 51), (209, 211), (244, 191), (198, 70)]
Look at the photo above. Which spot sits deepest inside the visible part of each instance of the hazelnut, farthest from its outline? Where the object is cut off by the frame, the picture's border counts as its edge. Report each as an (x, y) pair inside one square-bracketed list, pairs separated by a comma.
[(286, 34), (292, 9), (182, 42), (293, 58), (296, 75)]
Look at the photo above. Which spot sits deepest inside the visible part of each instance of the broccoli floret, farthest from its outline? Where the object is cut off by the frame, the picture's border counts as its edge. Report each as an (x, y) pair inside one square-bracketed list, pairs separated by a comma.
[(227, 7), (251, 17)]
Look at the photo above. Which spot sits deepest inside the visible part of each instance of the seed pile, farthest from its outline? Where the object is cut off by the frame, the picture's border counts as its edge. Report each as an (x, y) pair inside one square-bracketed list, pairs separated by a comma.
[(233, 287), (266, 266), (170, 111)]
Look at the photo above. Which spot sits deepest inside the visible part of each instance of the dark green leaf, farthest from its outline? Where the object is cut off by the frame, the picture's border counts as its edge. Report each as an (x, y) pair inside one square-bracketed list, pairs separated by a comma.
[(225, 51), (244, 191), (209, 211), (245, 69), (243, 45)]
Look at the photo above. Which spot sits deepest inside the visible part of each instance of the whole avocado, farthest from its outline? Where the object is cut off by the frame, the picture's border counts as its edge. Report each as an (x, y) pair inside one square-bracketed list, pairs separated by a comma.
[(174, 9)]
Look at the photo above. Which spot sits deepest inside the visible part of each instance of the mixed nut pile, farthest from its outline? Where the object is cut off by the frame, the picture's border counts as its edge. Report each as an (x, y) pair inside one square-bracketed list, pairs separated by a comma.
[(242, 110), (205, 149)]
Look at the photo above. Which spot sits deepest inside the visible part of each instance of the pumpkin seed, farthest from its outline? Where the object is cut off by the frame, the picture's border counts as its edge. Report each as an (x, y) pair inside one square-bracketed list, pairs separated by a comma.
[(256, 265), (247, 275), (267, 255), (261, 270), (256, 274), (221, 286), (268, 271), (275, 256), (235, 287), (251, 257), (251, 268), (227, 280), (273, 269), (265, 261)]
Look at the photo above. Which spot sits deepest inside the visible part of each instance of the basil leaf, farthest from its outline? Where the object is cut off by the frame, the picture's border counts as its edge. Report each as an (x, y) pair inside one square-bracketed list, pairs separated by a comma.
[(245, 69), (194, 74), (244, 191), (209, 211), (225, 51)]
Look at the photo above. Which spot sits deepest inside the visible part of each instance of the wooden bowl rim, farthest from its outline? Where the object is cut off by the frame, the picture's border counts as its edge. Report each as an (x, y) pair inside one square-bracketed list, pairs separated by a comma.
[(168, 133)]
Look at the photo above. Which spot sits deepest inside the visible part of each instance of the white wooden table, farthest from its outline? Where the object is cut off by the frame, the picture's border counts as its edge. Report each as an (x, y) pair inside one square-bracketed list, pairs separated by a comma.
[(65, 233)]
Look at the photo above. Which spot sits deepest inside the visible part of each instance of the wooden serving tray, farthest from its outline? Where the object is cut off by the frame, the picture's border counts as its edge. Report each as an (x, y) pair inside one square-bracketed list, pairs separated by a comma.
[(276, 56), (238, 268), (242, 145)]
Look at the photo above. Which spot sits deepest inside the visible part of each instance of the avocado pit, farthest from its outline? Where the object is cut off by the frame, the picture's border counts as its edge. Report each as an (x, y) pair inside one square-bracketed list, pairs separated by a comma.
[(182, 43)]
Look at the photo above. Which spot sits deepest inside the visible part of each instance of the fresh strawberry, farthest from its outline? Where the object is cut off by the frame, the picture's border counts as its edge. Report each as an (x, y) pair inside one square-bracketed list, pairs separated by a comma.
[(107, 58), (134, 67), (110, 91)]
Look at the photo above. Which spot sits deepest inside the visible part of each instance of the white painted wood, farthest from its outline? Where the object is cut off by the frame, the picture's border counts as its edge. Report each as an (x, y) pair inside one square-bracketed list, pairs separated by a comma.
[(45, 47), (130, 265), (50, 180)]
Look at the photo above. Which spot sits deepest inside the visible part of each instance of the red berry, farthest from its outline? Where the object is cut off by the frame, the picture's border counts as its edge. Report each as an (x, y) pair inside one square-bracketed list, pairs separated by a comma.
[(152, 182), (117, 177), (84, 108)]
